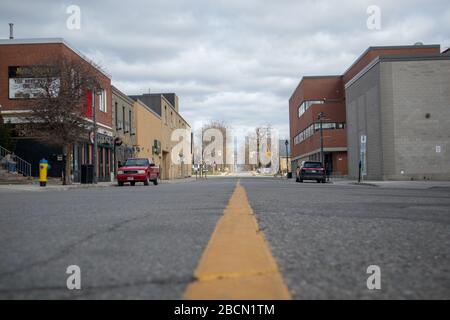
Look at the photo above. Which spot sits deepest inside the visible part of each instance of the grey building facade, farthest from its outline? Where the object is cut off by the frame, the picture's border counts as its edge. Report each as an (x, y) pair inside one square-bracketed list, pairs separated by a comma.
[(124, 127), (153, 100), (398, 119)]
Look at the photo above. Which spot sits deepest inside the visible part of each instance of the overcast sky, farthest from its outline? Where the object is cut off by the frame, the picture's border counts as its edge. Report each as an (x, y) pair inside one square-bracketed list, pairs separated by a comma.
[(232, 60)]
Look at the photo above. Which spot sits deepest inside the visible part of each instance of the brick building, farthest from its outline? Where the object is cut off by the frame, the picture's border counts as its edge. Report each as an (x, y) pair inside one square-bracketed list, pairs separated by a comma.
[(327, 95), (166, 106), (313, 96), (15, 106), (148, 133)]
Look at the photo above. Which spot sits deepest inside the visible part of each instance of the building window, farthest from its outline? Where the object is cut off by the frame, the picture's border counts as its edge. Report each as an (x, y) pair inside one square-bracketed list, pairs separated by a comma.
[(309, 131), (102, 101), (306, 104)]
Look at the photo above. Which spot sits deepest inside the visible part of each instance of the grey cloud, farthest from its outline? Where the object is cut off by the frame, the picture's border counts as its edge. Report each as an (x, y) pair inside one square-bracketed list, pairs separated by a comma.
[(232, 60)]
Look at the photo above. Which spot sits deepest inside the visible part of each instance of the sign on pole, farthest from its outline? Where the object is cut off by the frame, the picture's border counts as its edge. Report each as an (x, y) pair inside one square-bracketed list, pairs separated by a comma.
[(362, 154)]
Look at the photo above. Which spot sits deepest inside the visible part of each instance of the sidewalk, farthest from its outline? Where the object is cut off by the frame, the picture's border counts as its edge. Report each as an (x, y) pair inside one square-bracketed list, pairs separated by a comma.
[(52, 187), (178, 180), (394, 184)]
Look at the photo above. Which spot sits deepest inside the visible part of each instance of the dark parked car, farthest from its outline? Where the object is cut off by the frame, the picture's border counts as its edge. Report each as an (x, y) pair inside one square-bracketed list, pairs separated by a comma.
[(311, 170)]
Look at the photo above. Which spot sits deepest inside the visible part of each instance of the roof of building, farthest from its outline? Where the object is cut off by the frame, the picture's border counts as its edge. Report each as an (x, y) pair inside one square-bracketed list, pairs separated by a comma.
[(153, 101), (312, 78), (171, 97), (147, 107), (373, 48), (53, 41), (121, 94), (394, 58), (322, 77)]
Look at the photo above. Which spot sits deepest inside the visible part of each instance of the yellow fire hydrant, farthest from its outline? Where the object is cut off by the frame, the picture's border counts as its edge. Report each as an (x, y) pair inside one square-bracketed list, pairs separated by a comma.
[(43, 169)]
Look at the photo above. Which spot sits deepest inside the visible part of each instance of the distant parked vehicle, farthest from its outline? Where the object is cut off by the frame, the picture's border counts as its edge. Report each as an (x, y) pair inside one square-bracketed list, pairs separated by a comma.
[(138, 170), (311, 170)]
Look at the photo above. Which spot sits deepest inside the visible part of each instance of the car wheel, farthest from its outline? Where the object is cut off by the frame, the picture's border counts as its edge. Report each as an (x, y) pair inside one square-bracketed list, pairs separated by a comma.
[(323, 181), (132, 184), (300, 180), (146, 182), (155, 182), (318, 181), (120, 183)]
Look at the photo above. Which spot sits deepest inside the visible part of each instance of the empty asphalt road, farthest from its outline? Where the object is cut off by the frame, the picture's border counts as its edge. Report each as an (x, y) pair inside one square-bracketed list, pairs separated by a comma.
[(146, 242)]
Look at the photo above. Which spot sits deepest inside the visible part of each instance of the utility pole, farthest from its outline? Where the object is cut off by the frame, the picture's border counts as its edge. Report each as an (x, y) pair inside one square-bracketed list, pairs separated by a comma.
[(203, 150), (94, 152), (257, 147)]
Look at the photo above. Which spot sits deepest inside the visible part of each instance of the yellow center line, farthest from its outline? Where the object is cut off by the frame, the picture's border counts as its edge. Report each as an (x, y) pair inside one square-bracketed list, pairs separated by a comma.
[(237, 263)]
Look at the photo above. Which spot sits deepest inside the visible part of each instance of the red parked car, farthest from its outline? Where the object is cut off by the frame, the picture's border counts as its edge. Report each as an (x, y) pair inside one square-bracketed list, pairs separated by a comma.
[(138, 170), (311, 170)]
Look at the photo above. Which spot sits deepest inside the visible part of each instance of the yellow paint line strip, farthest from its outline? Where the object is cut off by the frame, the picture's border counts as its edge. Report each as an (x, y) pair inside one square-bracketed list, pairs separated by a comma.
[(237, 263)]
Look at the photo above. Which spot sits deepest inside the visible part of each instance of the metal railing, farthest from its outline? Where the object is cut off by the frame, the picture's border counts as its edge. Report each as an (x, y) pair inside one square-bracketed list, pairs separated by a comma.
[(23, 167)]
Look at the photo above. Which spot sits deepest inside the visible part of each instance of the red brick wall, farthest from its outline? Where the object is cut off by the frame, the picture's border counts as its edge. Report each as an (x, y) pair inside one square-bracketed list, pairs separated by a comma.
[(332, 89), (329, 88), (332, 139), (32, 54)]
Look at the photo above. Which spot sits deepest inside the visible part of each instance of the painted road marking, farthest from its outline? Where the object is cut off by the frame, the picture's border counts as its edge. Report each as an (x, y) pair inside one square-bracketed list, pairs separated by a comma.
[(237, 263)]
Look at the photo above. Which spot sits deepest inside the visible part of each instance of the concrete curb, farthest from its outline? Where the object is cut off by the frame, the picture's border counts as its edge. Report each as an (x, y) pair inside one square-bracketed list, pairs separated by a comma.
[(363, 184)]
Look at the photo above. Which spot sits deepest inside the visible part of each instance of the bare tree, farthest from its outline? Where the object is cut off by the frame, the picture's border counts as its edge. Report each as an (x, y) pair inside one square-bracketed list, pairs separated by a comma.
[(58, 117), (263, 136), (222, 127)]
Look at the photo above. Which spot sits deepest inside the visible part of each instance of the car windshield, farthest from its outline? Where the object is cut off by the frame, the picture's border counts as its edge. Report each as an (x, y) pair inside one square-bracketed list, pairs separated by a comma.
[(312, 165), (136, 163)]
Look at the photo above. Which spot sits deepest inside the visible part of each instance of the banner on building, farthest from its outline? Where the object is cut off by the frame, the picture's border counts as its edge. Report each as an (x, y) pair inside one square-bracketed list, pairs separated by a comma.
[(25, 83)]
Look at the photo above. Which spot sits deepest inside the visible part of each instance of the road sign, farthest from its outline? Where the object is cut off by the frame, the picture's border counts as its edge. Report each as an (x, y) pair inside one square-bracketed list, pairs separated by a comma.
[(362, 154), (363, 139)]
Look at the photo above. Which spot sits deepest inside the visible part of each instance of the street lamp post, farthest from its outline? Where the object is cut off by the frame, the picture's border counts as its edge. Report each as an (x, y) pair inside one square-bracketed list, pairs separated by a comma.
[(286, 143), (181, 164), (94, 120), (320, 118)]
